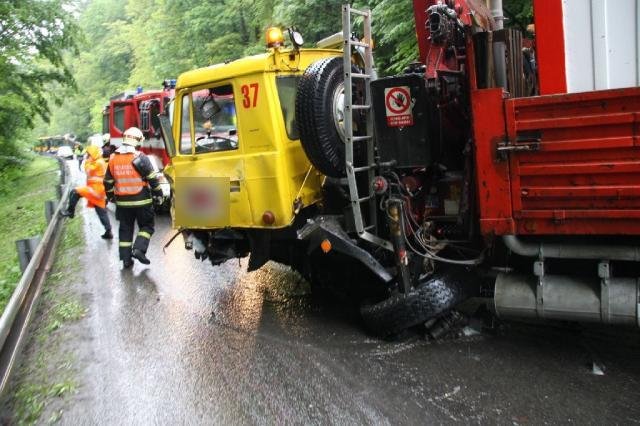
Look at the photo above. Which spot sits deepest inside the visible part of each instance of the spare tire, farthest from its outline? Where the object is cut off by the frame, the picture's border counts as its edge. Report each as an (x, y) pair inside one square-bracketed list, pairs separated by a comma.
[(429, 299), (319, 108)]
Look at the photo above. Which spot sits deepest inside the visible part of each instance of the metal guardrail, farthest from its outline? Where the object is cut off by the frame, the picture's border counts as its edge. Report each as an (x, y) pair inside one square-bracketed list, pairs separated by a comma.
[(17, 315)]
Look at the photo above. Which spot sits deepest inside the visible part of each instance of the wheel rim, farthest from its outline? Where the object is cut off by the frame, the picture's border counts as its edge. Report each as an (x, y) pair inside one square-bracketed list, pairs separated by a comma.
[(338, 110)]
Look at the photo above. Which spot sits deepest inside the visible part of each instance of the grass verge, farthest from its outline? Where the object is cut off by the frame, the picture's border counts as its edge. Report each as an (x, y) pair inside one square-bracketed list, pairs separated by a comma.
[(23, 191), (46, 377)]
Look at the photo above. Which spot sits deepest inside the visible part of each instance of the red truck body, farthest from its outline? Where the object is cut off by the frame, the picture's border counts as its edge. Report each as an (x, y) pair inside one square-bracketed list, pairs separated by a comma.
[(582, 173), (554, 164)]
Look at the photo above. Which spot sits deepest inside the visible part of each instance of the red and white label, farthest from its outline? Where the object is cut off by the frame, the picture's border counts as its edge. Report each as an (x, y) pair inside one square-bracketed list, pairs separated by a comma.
[(397, 102)]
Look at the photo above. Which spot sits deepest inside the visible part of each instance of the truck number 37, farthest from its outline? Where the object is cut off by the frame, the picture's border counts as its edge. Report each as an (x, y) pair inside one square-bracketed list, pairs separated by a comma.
[(249, 95)]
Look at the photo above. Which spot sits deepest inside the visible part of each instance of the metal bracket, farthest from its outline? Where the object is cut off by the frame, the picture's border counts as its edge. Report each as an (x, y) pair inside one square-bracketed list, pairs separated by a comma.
[(604, 272), (538, 271), (506, 147)]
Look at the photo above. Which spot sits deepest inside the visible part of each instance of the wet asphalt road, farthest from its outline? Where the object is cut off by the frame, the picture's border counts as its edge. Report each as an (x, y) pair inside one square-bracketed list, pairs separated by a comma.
[(181, 342)]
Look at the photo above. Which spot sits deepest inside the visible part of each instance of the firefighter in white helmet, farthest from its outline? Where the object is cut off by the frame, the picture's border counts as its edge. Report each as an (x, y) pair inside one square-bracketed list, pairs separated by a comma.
[(107, 148), (131, 183)]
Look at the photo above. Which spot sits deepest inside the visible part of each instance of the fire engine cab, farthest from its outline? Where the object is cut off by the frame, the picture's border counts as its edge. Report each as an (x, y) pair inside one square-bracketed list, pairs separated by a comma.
[(141, 109)]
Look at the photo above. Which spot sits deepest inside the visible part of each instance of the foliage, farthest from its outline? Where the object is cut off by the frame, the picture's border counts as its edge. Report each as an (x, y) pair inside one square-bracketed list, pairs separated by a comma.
[(519, 13), (34, 34), (128, 43), (394, 30), (23, 191), (142, 42), (31, 399)]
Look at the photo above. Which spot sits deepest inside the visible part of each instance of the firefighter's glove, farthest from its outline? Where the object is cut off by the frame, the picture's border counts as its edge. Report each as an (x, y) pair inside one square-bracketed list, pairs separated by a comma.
[(158, 200)]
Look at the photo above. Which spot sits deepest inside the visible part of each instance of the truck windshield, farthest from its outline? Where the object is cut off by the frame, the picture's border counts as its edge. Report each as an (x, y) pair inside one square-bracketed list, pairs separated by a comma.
[(118, 118), (287, 86), (218, 132)]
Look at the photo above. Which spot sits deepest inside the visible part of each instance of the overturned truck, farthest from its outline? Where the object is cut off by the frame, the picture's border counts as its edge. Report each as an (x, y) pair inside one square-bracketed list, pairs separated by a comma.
[(421, 190)]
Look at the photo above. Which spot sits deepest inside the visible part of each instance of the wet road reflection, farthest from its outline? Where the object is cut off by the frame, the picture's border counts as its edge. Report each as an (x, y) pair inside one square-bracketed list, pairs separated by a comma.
[(182, 342)]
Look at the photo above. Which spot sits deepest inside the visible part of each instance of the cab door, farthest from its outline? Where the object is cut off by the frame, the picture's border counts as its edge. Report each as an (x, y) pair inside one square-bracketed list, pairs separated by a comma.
[(208, 166)]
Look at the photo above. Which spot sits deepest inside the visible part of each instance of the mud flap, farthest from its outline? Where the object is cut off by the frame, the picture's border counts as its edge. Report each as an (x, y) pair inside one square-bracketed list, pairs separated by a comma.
[(260, 246), (329, 228)]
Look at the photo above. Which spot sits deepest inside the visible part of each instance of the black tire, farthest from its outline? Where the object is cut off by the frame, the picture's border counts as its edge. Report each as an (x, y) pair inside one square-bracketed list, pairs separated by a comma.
[(320, 138), (429, 299)]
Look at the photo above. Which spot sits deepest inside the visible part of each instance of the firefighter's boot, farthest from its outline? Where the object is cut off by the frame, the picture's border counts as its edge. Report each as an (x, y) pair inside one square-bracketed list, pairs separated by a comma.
[(74, 197), (140, 256)]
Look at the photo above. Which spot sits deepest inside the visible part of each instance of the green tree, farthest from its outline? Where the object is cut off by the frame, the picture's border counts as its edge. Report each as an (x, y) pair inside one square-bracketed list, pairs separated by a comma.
[(141, 42), (34, 34), (394, 31), (519, 13), (315, 18), (101, 69)]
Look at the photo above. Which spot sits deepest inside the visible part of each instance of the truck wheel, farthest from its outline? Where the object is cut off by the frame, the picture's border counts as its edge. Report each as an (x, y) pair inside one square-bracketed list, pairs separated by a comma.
[(320, 115), (429, 299)]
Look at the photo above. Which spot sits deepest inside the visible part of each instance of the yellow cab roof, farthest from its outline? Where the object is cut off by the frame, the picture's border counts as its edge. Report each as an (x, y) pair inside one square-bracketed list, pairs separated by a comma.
[(264, 62)]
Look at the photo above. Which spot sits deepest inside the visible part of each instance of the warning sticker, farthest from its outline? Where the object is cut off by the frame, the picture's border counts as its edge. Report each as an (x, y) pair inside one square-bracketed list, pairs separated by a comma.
[(398, 105)]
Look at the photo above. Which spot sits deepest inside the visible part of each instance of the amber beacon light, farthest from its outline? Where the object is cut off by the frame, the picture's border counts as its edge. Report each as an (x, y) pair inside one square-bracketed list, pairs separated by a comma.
[(275, 37)]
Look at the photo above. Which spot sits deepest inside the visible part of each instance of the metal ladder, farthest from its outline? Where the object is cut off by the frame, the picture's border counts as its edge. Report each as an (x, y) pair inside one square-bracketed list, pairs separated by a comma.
[(365, 231)]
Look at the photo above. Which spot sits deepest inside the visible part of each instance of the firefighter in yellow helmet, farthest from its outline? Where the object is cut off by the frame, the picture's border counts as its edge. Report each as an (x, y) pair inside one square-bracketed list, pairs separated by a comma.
[(95, 169), (132, 184)]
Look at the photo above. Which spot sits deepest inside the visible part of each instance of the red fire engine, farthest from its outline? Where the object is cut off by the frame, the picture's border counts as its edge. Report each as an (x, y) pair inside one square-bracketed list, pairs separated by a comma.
[(139, 109)]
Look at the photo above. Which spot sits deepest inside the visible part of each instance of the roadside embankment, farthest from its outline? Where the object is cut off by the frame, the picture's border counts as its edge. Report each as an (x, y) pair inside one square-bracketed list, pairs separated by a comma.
[(23, 191), (39, 391)]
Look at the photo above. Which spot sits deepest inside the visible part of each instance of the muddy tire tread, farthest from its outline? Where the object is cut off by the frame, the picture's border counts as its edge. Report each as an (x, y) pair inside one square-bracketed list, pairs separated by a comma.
[(401, 311)]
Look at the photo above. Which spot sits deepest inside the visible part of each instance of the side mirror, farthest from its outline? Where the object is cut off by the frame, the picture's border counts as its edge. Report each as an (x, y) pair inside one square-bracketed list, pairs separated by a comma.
[(167, 135)]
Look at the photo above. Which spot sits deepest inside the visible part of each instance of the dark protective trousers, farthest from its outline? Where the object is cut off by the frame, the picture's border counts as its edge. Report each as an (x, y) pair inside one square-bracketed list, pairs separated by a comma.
[(128, 216), (74, 197)]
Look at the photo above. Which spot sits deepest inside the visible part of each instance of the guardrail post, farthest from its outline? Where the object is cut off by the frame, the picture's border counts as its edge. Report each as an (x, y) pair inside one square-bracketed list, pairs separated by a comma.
[(49, 209), (26, 248), (61, 164)]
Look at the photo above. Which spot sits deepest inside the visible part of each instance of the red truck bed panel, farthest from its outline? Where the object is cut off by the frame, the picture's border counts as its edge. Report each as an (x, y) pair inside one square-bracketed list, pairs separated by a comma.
[(582, 175)]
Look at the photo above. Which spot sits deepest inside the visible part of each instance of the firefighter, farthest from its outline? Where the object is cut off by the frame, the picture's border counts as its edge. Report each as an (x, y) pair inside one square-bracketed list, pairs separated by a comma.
[(107, 148), (132, 184), (93, 191), (78, 152)]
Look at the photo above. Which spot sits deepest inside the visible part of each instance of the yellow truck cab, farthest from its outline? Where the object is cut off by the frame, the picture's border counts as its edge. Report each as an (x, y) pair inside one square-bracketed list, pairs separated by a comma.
[(237, 160), (241, 180)]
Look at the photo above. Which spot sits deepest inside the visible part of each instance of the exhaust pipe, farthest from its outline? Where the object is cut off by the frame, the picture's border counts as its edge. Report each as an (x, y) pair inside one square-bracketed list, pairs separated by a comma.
[(556, 297), (572, 251)]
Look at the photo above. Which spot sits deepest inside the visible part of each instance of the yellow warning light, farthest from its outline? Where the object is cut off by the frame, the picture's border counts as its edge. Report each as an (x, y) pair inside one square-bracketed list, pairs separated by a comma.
[(275, 37), (325, 245)]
